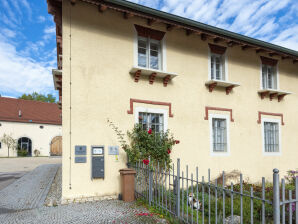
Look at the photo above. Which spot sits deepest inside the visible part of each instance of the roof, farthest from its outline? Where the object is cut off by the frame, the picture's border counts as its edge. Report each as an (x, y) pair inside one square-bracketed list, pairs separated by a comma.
[(30, 111), (190, 24)]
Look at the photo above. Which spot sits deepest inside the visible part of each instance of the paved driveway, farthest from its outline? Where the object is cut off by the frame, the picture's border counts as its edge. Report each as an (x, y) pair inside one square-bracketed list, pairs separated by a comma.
[(12, 169)]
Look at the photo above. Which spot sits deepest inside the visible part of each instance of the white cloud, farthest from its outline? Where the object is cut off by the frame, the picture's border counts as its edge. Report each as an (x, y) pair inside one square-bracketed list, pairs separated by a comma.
[(262, 19), (41, 19), (8, 33), (22, 74)]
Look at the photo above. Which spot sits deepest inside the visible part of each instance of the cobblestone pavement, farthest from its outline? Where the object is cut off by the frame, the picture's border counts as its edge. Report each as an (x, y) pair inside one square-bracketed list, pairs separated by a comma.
[(108, 211), (29, 191)]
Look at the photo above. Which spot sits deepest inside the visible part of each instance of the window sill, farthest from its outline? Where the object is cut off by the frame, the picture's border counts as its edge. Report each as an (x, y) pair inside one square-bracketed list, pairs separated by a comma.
[(152, 74), (273, 93), (225, 84)]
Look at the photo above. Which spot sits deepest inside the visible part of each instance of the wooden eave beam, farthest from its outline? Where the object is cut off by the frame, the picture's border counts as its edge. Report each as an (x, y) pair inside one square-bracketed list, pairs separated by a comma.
[(217, 39), (203, 36), (188, 32), (295, 61), (127, 15), (170, 27), (73, 2), (102, 8), (150, 22), (232, 43), (271, 54)]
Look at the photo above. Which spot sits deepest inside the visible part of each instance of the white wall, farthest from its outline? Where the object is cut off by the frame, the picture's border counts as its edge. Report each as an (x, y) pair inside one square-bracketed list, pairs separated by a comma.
[(41, 138)]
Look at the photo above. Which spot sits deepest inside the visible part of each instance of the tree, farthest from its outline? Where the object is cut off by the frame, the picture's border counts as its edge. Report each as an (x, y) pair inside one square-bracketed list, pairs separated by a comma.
[(9, 141), (49, 98)]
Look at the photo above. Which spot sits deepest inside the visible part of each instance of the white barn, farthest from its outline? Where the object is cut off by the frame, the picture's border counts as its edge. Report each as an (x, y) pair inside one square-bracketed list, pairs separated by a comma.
[(35, 125)]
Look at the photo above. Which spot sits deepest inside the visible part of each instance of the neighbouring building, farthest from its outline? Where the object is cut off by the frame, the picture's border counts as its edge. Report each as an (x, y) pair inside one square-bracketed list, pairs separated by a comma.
[(36, 126), (231, 100)]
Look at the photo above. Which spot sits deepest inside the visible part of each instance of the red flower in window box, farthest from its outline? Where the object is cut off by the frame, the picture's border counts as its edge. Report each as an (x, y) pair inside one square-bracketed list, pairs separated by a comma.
[(146, 161), (150, 132), (177, 141), (169, 151), (140, 118)]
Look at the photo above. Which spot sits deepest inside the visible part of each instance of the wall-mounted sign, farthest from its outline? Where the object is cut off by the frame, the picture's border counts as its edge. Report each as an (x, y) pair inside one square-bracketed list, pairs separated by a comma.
[(82, 159), (80, 150), (113, 150)]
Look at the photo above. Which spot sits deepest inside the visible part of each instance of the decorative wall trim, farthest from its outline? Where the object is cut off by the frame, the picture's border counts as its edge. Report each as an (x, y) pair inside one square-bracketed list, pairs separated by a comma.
[(270, 114), (219, 109), (130, 111)]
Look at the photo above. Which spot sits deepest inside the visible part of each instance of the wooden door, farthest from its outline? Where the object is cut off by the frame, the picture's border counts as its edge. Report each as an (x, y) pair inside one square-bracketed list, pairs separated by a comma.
[(56, 146)]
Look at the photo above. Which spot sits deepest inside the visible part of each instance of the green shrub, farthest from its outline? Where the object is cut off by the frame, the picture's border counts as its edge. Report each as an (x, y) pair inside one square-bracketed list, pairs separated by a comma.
[(22, 153)]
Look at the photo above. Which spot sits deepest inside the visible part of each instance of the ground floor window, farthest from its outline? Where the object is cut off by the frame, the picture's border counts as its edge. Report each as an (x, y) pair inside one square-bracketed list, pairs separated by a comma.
[(154, 119), (219, 134), (271, 136), (25, 144)]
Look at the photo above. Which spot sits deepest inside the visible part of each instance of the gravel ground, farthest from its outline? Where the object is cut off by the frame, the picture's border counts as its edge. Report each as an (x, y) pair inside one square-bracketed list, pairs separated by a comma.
[(30, 191), (108, 211), (55, 193)]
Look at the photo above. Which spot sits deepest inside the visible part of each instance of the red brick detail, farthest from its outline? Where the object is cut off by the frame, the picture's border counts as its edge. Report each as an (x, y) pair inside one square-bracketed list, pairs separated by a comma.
[(152, 78), (268, 61), (137, 75), (263, 94), (272, 95), (217, 49), (280, 97), (229, 89), (166, 80), (219, 109), (147, 32), (270, 114), (212, 86), (130, 111)]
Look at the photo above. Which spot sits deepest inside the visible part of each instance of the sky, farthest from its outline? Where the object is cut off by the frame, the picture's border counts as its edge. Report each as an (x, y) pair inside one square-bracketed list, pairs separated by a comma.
[(28, 47)]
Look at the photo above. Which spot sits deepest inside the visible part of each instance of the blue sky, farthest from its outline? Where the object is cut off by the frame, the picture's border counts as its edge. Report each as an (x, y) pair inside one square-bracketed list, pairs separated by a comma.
[(27, 37)]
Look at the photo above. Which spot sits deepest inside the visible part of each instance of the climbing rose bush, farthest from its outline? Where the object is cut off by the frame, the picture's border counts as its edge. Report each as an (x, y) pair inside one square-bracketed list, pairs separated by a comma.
[(146, 146)]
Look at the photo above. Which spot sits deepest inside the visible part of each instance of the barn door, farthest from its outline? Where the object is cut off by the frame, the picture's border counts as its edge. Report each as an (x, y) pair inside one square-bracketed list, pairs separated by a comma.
[(56, 146)]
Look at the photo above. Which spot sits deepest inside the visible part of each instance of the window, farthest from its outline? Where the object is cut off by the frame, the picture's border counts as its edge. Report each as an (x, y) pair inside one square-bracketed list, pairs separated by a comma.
[(219, 134), (217, 67), (151, 118), (271, 136), (217, 62), (149, 55), (269, 77), (152, 121)]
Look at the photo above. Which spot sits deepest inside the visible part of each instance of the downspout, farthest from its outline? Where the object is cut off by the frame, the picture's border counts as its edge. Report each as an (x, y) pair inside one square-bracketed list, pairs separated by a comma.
[(70, 147)]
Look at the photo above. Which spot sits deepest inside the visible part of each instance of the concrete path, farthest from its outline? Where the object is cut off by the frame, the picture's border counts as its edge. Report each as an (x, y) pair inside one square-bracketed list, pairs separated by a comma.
[(29, 191), (8, 178)]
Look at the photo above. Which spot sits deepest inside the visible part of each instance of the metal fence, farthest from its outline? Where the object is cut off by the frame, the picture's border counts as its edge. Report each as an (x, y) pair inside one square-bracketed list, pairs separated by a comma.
[(191, 199)]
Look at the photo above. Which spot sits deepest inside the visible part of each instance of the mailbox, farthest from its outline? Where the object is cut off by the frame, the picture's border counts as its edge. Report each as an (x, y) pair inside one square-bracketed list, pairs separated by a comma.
[(98, 168)]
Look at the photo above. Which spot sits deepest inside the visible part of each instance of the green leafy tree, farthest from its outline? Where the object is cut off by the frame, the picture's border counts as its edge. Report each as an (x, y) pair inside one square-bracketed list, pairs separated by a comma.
[(49, 98)]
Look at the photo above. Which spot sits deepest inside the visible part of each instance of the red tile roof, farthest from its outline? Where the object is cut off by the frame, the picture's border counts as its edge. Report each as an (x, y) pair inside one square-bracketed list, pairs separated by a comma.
[(31, 111)]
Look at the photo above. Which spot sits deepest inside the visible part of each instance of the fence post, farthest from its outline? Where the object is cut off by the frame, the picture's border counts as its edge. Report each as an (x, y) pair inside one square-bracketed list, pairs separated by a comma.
[(150, 185), (276, 197), (178, 189)]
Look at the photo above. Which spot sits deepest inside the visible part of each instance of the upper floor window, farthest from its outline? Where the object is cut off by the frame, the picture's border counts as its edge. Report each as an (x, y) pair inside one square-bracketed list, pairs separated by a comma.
[(149, 48), (217, 62), (149, 55), (217, 67), (269, 73)]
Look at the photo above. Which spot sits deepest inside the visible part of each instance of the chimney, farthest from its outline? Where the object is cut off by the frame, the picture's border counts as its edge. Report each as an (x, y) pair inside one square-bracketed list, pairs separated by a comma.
[(20, 113)]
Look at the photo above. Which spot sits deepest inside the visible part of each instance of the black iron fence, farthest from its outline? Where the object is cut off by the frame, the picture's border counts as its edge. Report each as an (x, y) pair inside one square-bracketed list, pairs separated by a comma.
[(193, 199)]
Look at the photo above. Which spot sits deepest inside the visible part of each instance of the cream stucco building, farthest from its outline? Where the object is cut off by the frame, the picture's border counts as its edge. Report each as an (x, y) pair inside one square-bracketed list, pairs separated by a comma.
[(231, 100), (34, 125)]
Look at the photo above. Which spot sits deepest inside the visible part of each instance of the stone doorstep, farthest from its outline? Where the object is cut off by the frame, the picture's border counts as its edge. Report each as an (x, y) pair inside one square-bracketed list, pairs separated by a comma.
[(82, 199)]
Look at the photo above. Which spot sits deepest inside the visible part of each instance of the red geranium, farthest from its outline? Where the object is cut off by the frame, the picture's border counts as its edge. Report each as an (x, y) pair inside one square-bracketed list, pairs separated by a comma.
[(150, 132), (177, 141), (146, 161), (169, 151)]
